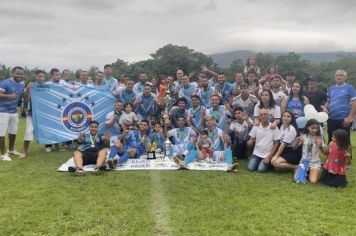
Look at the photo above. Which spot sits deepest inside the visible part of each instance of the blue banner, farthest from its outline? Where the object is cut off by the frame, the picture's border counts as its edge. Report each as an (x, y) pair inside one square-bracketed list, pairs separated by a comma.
[(61, 112)]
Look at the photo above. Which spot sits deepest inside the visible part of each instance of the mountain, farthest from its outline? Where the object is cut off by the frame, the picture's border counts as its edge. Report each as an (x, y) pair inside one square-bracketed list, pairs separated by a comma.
[(225, 59)]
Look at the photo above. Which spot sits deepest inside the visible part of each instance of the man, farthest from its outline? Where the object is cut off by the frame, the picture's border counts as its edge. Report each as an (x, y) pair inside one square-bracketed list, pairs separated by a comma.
[(290, 78), (112, 120), (187, 91), (139, 86), (224, 89), (316, 97), (10, 92), (341, 105), (110, 81), (266, 142), (178, 111), (181, 137), (66, 75), (221, 147), (239, 79), (220, 113), (40, 78), (213, 80), (55, 77), (130, 144), (84, 77), (276, 88), (245, 100), (126, 95), (99, 81), (91, 150), (205, 92), (196, 115), (146, 103)]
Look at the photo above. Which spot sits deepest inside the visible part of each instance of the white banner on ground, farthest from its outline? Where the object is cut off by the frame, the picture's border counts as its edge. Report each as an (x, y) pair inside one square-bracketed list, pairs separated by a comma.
[(153, 164)]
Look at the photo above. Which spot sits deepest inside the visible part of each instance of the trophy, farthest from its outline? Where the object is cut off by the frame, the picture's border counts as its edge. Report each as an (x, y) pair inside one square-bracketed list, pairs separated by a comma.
[(151, 153), (168, 102)]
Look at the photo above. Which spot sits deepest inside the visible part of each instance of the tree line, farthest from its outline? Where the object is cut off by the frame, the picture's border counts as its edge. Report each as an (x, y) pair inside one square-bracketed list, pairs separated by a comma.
[(166, 60)]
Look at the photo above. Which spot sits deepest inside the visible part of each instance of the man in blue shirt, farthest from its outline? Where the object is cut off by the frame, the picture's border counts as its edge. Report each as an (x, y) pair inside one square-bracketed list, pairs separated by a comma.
[(10, 92), (341, 104)]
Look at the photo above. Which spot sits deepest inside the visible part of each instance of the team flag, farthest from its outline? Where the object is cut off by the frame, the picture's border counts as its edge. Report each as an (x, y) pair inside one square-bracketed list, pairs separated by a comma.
[(61, 112)]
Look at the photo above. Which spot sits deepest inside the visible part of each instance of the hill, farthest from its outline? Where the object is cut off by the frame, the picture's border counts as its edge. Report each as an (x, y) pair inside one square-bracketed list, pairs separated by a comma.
[(225, 59)]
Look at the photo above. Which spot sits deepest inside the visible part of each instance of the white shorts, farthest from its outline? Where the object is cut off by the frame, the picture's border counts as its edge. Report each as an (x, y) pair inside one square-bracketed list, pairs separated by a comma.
[(8, 122), (29, 129), (217, 155)]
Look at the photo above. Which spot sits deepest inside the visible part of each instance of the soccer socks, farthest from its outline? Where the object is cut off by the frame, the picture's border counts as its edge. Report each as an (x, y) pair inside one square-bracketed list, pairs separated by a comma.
[(113, 152), (191, 157), (124, 158), (228, 156)]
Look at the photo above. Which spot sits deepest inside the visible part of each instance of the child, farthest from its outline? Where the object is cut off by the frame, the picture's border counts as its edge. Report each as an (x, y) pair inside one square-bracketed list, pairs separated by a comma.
[(157, 136), (128, 117), (312, 142), (239, 130), (162, 89), (205, 145), (334, 170)]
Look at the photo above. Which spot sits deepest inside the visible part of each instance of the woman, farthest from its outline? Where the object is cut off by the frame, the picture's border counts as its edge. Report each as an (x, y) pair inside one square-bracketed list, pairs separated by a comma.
[(286, 157), (267, 102), (295, 101)]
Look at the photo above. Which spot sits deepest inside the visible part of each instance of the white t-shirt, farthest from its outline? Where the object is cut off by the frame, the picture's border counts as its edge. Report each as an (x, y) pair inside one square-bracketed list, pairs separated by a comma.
[(288, 135), (129, 117), (274, 112), (247, 104), (264, 139), (181, 135), (278, 97)]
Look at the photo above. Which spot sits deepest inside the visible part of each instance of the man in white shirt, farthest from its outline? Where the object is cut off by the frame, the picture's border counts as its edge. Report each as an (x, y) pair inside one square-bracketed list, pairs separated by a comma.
[(266, 144)]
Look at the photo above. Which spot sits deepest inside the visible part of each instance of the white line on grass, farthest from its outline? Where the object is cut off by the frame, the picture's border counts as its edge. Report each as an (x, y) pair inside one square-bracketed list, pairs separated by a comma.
[(159, 205)]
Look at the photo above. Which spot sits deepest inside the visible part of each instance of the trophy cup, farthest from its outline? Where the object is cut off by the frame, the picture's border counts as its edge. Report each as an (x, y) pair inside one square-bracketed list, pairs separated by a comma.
[(151, 153), (168, 102)]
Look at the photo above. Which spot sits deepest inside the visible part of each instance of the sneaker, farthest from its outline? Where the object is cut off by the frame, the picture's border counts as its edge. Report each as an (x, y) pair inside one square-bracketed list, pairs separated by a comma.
[(112, 163), (79, 171), (180, 163), (16, 153), (99, 169), (48, 149), (71, 169), (6, 157), (232, 168)]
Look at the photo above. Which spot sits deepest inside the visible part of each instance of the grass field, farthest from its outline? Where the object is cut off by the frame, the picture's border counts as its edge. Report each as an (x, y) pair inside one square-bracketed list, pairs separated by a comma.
[(35, 199)]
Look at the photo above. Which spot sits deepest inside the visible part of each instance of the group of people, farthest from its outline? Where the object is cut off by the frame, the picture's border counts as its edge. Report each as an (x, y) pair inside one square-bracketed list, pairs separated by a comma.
[(209, 119)]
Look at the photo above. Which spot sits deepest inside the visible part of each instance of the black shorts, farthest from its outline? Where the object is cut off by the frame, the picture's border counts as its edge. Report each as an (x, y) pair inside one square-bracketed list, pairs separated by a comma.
[(89, 156), (291, 155)]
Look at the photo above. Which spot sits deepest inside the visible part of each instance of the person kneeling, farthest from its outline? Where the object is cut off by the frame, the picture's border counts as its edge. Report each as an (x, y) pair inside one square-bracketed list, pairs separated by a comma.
[(91, 150)]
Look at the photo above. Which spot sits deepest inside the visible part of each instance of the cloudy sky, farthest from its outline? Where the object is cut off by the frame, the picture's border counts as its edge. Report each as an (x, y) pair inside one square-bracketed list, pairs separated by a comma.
[(76, 34)]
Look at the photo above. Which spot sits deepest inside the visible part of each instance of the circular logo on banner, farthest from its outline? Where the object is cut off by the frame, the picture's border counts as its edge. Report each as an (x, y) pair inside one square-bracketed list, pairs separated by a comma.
[(76, 116)]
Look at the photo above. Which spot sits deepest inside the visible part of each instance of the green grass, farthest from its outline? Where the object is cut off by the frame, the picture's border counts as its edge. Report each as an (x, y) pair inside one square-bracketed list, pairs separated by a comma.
[(35, 199)]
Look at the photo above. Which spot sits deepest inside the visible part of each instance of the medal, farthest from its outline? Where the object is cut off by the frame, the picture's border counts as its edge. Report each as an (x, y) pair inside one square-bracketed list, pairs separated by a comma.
[(92, 141)]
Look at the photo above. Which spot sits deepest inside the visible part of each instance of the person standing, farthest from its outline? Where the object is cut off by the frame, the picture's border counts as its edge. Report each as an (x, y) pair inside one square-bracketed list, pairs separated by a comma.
[(341, 105), (317, 98), (40, 78), (10, 92)]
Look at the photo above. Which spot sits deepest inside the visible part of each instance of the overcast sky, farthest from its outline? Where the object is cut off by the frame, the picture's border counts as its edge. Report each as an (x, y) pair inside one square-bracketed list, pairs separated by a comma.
[(76, 34)]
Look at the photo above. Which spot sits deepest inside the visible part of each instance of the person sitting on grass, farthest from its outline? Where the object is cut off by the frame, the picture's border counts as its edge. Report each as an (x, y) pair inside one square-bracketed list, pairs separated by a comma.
[(287, 156), (334, 170), (130, 144), (180, 137), (239, 130), (266, 140), (221, 146), (312, 143), (91, 150)]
